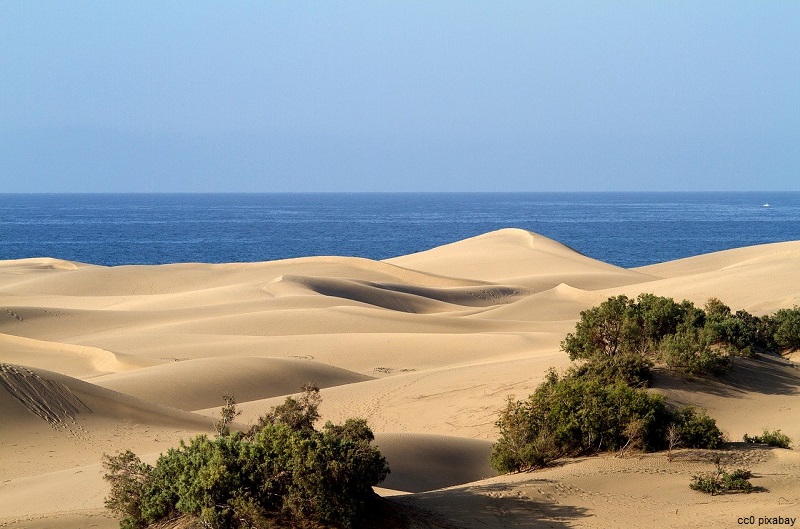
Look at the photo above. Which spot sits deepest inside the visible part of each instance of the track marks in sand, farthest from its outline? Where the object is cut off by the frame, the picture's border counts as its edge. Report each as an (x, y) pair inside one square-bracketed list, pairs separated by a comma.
[(47, 399), (14, 315)]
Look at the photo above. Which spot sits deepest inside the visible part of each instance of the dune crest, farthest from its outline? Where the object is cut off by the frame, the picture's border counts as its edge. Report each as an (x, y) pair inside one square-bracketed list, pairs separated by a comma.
[(519, 257), (760, 279), (715, 261), (69, 359), (39, 263)]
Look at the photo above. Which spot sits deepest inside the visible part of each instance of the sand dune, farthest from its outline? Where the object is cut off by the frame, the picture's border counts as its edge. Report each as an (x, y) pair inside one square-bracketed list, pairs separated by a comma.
[(73, 360), (55, 423), (757, 394), (48, 399), (201, 383), (408, 298), (57, 398), (520, 257), (760, 279), (562, 302), (634, 492), (426, 347), (371, 354), (722, 260)]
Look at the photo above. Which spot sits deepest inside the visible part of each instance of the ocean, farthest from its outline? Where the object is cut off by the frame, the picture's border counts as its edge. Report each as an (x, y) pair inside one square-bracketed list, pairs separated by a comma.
[(626, 229)]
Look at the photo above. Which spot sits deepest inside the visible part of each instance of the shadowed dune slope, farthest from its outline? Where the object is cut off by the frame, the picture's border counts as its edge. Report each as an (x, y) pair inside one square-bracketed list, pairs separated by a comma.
[(197, 384), (756, 394), (22, 390), (559, 303), (409, 298), (421, 462)]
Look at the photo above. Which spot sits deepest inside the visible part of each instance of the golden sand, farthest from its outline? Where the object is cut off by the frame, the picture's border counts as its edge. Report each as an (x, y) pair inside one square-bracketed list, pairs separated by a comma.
[(426, 347)]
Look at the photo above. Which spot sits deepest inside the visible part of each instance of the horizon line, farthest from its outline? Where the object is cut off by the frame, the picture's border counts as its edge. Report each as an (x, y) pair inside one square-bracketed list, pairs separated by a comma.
[(383, 192)]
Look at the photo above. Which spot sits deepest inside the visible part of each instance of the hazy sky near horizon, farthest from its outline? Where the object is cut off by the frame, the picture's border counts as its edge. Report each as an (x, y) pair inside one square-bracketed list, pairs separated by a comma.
[(399, 96)]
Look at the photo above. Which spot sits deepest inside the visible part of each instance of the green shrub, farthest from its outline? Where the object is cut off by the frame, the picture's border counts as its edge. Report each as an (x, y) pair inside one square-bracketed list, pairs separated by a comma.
[(776, 438), (717, 310), (722, 481), (228, 413), (786, 328), (661, 316), (696, 429), (740, 333), (524, 442), (585, 413), (599, 405), (622, 325), (738, 480), (240, 480), (629, 368), (773, 438), (575, 415), (129, 477), (748, 335), (298, 414), (707, 482), (691, 351), (602, 330), (681, 335)]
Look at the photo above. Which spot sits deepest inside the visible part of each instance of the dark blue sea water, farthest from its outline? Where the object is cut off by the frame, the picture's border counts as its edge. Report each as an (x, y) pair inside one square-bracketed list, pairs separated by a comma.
[(627, 229)]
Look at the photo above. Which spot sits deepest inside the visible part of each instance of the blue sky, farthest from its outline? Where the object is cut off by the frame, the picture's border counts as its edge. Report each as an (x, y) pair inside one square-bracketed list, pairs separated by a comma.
[(399, 96)]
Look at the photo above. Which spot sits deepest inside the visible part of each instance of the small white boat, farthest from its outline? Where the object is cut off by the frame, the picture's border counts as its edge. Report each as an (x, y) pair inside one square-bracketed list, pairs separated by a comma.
[(766, 205)]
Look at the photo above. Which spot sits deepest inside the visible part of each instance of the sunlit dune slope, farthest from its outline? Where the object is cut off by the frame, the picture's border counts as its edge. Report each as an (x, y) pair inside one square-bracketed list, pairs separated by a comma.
[(74, 360), (760, 279), (520, 257)]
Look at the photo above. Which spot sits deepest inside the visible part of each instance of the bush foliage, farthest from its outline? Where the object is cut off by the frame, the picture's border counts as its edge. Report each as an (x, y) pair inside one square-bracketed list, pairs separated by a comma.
[(682, 336), (628, 368), (722, 481), (579, 413), (281, 469), (785, 326), (773, 438), (600, 404)]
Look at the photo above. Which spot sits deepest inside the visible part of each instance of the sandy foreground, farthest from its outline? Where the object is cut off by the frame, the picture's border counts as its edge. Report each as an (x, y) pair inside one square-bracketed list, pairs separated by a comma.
[(426, 347)]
